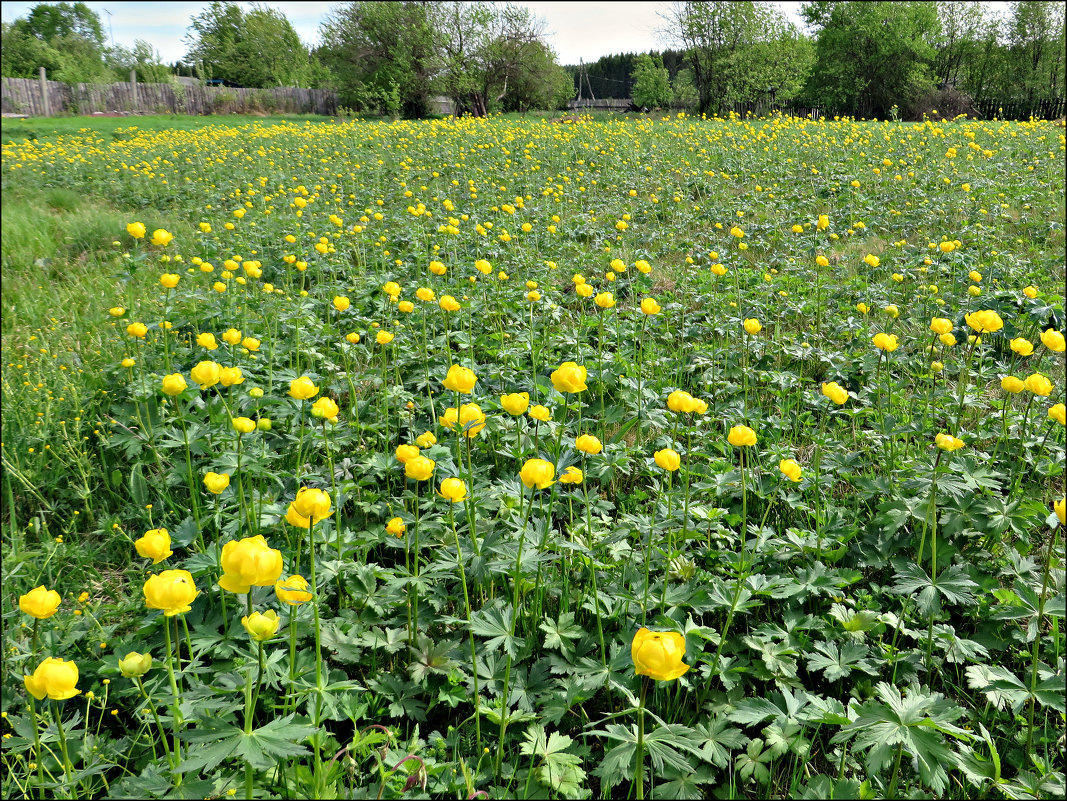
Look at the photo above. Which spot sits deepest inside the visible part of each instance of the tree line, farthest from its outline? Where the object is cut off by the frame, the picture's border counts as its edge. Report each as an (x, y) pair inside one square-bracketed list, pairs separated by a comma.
[(861, 59), (856, 58)]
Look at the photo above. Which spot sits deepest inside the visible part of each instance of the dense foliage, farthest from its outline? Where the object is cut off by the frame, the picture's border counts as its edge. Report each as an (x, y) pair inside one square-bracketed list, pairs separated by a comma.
[(702, 457)]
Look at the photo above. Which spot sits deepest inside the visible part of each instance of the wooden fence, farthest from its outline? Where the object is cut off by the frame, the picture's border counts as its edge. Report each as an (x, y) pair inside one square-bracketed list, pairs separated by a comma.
[(38, 98), (1048, 109)]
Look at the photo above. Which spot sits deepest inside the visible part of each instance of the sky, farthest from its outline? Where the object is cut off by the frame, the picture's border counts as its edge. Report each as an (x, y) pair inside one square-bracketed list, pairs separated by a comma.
[(576, 30)]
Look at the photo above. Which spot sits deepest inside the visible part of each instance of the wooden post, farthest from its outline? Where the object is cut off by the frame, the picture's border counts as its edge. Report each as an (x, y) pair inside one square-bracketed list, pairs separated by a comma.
[(133, 90), (44, 94)]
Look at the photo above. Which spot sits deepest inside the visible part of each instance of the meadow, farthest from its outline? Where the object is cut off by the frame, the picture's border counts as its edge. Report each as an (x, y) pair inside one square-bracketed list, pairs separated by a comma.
[(658, 457)]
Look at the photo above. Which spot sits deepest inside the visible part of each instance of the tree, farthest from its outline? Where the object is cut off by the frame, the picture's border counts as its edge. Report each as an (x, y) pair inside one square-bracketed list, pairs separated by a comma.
[(652, 86), (382, 55), (51, 21), (483, 47), (257, 49), (142, 58), (539, 82), (1036, 45), (871, 56), (714, 36), (64, 38)]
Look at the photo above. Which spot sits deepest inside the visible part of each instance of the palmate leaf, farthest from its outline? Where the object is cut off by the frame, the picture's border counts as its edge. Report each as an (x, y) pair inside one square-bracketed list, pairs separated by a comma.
[(913, 722), (559, 770), (558, 633), (496, 625), (278, 740), (719, 738), (999, 685), (953, 584), (837, 663)]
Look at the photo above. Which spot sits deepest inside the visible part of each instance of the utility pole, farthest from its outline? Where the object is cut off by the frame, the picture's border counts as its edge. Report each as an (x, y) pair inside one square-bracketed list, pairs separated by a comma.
[(110, 30)]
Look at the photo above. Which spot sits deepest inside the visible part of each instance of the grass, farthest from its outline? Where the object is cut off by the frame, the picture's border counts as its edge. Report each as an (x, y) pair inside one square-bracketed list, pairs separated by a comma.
[(18, 129)]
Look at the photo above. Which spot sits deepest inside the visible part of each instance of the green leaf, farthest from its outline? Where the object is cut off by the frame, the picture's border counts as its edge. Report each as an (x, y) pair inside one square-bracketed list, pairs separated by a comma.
[(278, 740), (138, 486), (496, 625), (838, 662), (559, 633)]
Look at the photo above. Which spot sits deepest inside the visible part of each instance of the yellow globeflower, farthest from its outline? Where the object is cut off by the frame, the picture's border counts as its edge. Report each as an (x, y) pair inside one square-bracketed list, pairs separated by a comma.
[(658, 655), (309, 507), (1012, 384), (941, 325), (325, 409), (1058, 413), (250, 562), (54, 678), (303, 388), (569, 377), (1022, 346), (206, 374), (1060, 507), (587, 443), (261, 627), (790, 469), (154, 545), (541, 413), (741, 437), (516, 403), (537, 473), (40, 603), (572, 475), (650, 307), (460, 379), (396, 527), (453, 489), (172, 591), (835, 392), (947, 442), (1053, 340), (985, 321), (216, 482), (752, 326), (668, 459), (174, 384), (243, 425), (420, 468), (1039, 385), (294, 590), (886, 342), (136, 230), (161, 237)]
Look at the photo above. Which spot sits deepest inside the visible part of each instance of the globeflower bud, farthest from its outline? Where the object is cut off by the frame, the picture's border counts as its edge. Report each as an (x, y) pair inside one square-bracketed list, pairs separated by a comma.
[(135, 665), (261, 627)]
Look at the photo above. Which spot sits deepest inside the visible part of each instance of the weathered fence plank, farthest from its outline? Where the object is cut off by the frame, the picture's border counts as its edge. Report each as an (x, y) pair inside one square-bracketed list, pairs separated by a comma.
[(38, 97)]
